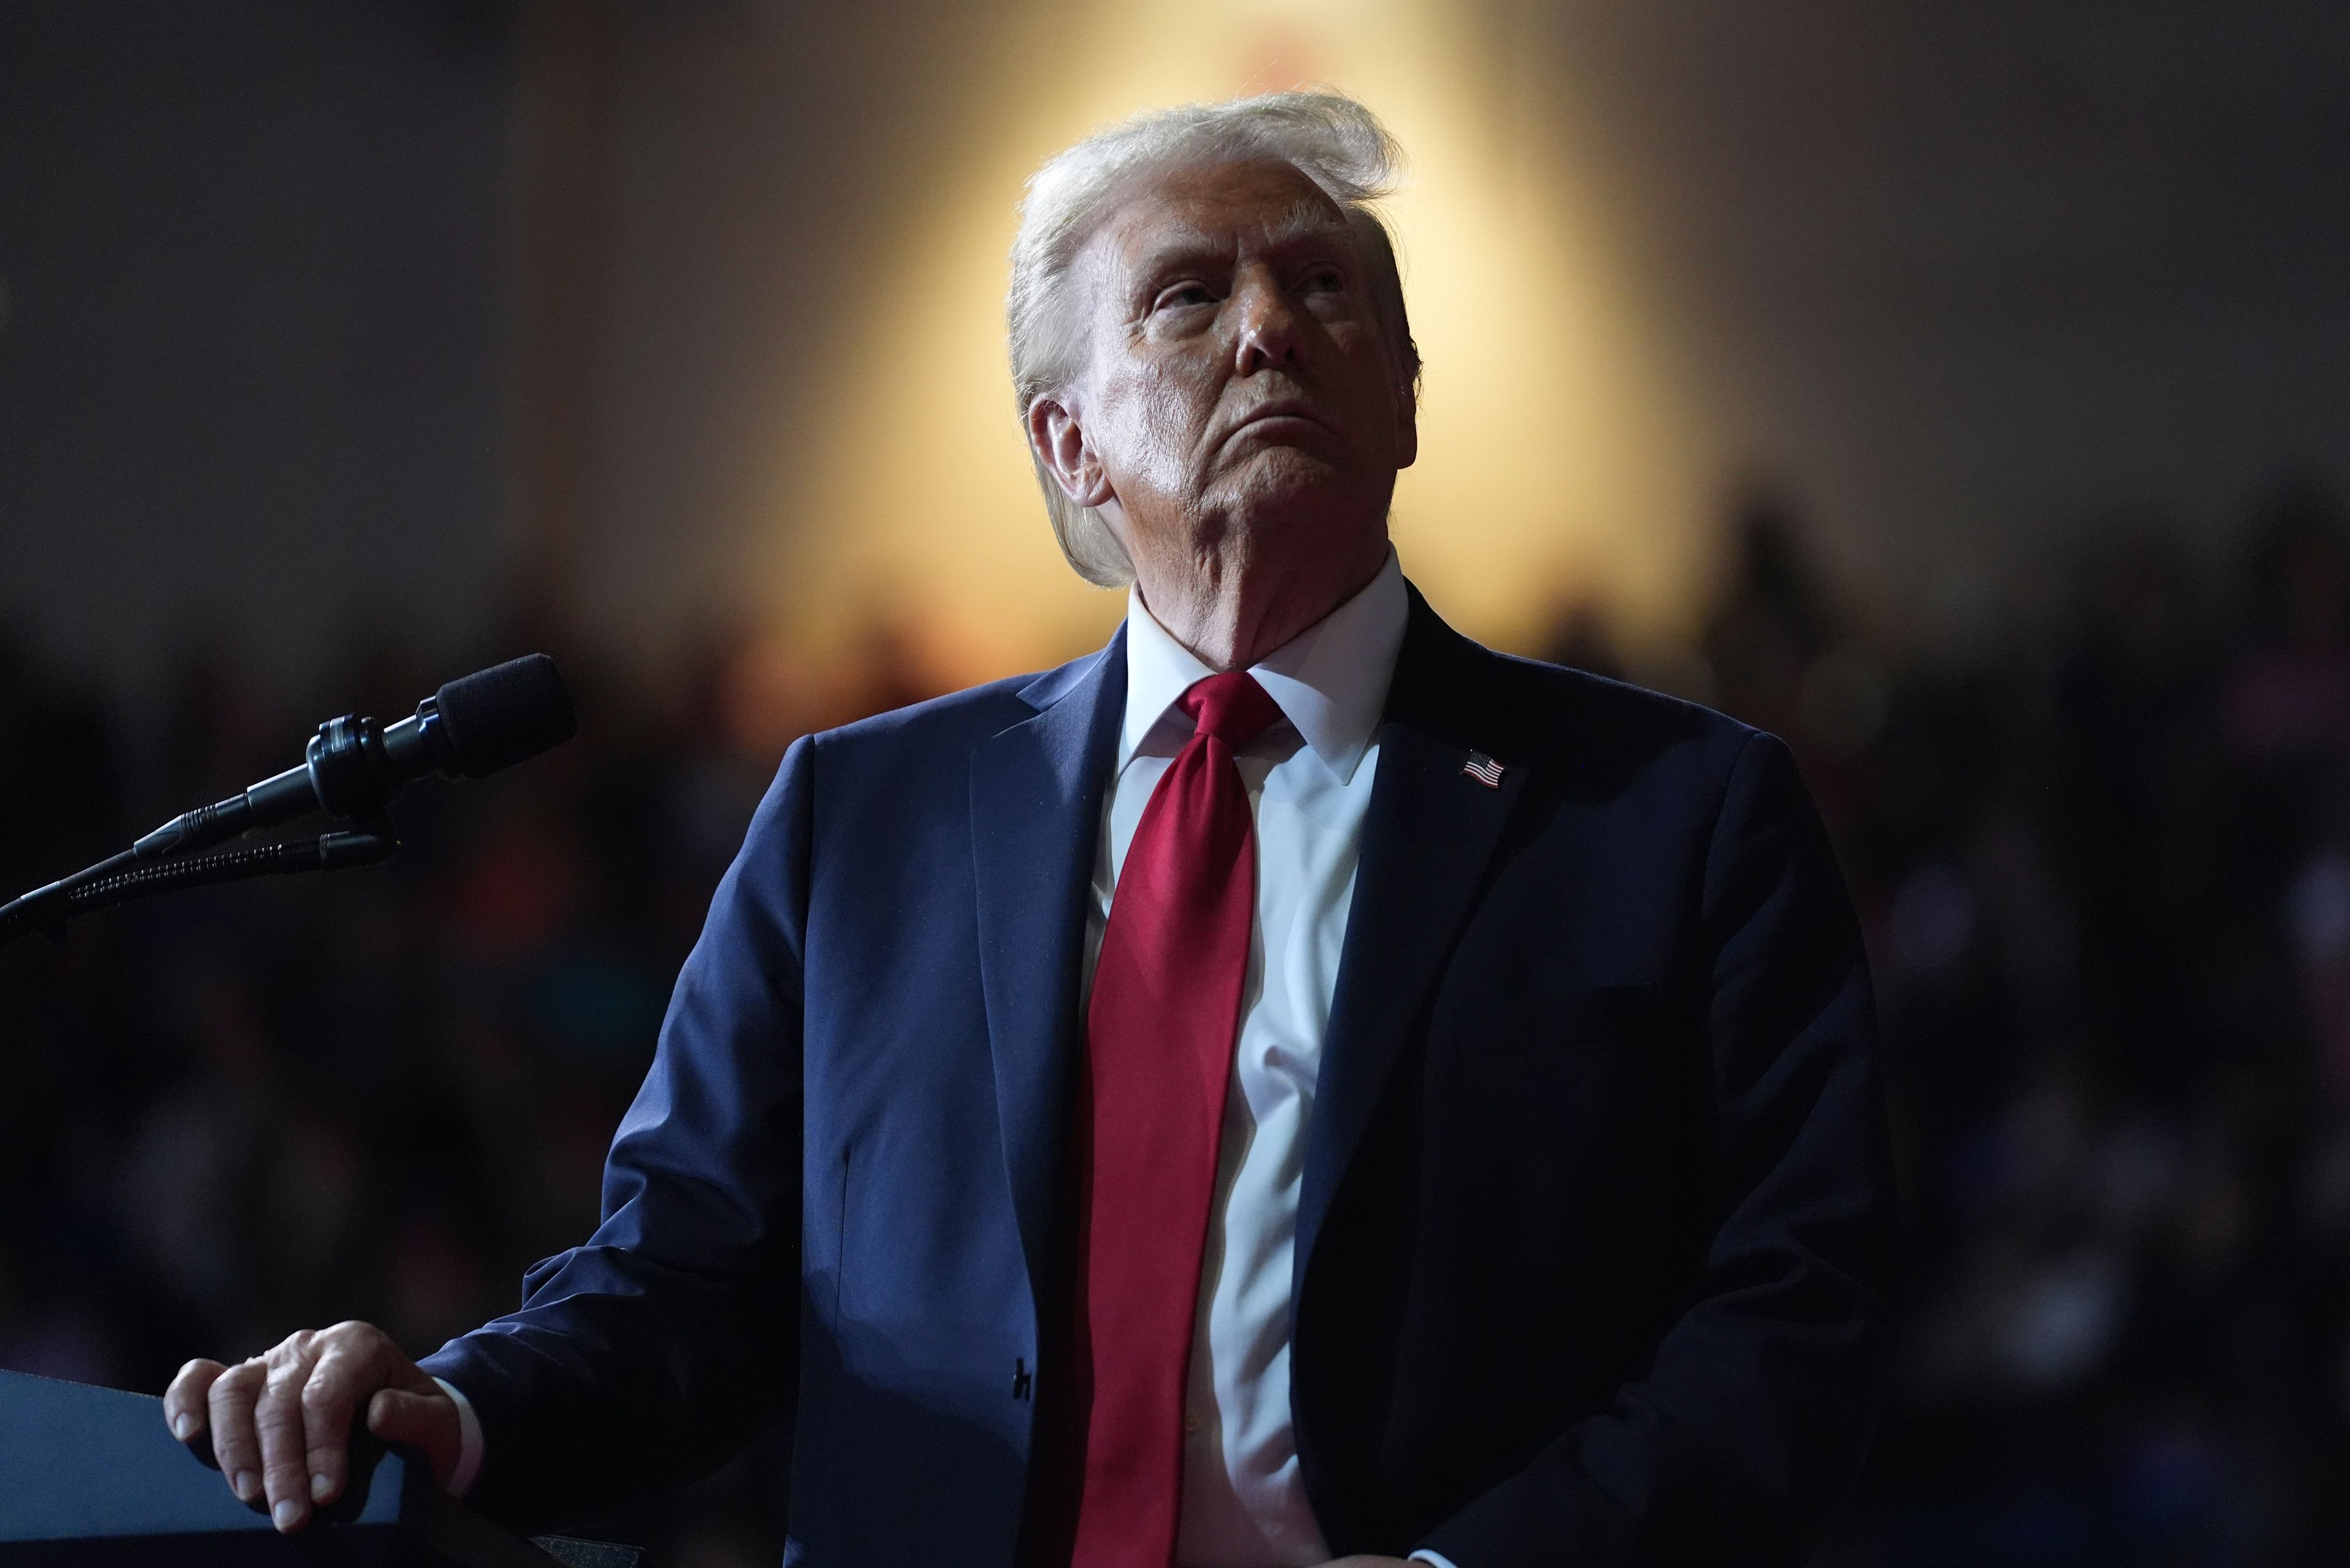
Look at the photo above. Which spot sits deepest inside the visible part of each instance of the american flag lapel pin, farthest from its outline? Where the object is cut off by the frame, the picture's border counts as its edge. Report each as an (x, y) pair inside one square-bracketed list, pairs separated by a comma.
[(1483, 769)]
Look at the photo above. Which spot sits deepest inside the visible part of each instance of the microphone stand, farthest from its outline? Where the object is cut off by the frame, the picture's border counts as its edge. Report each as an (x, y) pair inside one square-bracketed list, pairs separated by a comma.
[(346, 774), (124, 876), (349, 773), (120, 878)]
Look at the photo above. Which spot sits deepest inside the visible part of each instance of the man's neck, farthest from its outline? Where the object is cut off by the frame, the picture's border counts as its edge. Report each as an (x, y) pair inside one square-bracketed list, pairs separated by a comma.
[(1232, 620)]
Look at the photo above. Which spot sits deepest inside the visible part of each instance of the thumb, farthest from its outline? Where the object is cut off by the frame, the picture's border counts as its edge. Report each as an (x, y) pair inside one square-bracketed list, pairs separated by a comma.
[(428, 1422)]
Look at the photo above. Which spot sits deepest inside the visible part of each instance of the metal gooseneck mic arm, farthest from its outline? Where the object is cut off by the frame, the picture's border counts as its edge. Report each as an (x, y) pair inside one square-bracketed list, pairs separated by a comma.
[(469, 729), (124, 877)]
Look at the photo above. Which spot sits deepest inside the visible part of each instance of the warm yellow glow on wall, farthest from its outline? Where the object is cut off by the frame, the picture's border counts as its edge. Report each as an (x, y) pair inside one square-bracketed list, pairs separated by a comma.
[(1550, 460)]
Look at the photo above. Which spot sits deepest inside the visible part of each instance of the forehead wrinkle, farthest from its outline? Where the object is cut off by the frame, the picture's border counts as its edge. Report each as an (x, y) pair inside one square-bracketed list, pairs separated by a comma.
[(1172, 180), (1174, 239), (1308, 219)]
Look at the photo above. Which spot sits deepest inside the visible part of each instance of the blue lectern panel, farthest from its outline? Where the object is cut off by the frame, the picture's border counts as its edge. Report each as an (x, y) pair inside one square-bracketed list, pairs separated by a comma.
[(88, 1465)]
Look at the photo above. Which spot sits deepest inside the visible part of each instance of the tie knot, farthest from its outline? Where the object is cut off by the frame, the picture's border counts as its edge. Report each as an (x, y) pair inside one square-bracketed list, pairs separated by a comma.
[(1231, 707)]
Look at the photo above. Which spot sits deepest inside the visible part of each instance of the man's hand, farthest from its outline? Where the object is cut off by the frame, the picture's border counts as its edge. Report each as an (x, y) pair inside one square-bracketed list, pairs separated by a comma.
[(281, 1423)]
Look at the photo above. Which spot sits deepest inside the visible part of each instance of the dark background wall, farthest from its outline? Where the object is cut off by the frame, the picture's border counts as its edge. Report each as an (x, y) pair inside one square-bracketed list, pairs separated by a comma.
[(1974, 275), (252, 360), (316, 313)]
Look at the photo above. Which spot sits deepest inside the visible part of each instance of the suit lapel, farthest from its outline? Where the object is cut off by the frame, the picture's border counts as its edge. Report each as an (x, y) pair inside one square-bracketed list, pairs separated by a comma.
[(1037, 794), (1428, 836)]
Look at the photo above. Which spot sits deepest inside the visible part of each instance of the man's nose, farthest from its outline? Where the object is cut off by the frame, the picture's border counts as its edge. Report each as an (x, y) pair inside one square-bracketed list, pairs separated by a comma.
[(1268, 326)]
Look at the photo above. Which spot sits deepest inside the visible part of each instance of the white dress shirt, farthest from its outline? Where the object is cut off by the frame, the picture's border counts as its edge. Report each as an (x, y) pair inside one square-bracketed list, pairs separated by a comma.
[(1309, 783)]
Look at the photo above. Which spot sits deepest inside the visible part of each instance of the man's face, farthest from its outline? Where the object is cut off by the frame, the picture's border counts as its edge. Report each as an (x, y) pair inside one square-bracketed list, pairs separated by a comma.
[(1239, 400)]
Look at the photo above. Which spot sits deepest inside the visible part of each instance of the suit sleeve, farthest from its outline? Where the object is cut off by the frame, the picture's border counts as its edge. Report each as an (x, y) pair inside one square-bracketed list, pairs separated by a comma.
[(1744, 1437), (650, 1354)]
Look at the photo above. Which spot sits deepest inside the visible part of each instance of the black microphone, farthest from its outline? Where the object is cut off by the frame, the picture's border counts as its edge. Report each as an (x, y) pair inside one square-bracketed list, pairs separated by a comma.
[(471, 728)]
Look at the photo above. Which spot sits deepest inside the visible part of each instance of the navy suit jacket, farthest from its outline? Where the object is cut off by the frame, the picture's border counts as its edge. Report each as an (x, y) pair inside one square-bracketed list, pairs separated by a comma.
[(1595, 1243)]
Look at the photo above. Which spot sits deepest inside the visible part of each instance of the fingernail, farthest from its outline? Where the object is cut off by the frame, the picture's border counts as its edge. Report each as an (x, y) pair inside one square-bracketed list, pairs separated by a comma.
[(249, 1486), (318, 1484), (183, 1425), (287, 1514)]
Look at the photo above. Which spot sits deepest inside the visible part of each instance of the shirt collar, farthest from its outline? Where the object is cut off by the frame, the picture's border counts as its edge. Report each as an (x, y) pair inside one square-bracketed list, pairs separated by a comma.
[(1330, 680)]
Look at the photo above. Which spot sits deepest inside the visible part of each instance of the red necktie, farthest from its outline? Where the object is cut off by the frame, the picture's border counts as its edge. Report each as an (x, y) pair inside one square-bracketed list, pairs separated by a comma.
[(1158, 1056)]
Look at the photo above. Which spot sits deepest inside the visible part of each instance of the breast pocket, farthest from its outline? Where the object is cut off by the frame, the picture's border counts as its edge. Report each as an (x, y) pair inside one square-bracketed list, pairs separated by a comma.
[(1629, 1015)]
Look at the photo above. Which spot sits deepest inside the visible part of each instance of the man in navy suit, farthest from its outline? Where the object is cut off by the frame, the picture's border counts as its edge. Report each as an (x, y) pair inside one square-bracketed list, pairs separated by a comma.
[(1294, 1085)]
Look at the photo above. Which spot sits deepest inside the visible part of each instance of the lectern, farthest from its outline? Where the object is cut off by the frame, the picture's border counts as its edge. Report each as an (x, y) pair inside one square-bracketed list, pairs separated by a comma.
[(90, 1476)]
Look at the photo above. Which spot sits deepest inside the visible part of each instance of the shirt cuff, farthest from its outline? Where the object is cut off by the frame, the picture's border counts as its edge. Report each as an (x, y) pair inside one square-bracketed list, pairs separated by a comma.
[(469, 1444), (1438, 1558)]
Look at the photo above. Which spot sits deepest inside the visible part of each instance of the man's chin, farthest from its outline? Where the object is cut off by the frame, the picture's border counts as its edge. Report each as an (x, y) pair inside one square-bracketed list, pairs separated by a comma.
[(1278, 476)]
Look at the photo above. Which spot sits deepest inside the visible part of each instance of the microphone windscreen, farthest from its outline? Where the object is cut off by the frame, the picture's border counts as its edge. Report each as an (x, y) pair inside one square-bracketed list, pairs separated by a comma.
[(497, 717)]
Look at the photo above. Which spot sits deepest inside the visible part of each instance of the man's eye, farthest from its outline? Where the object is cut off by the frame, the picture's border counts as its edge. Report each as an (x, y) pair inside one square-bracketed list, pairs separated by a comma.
[(1184, 294), (1327, 280)]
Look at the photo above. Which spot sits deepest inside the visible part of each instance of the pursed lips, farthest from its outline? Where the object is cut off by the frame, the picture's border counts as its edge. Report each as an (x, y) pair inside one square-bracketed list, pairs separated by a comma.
[(1279, 409)]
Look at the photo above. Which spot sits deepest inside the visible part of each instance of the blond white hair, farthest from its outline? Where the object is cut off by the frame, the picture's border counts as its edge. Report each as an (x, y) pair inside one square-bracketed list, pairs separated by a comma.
[(1328, 137)]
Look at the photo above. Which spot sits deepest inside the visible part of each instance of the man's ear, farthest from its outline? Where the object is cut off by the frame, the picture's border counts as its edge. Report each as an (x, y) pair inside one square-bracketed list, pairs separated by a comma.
[(1406, 426), (1059, 443)]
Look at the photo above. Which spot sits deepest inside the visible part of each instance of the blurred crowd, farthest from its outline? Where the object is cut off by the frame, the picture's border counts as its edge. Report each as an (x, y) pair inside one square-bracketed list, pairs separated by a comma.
[(2102, 855), (379, 1093), (2103, 859)]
